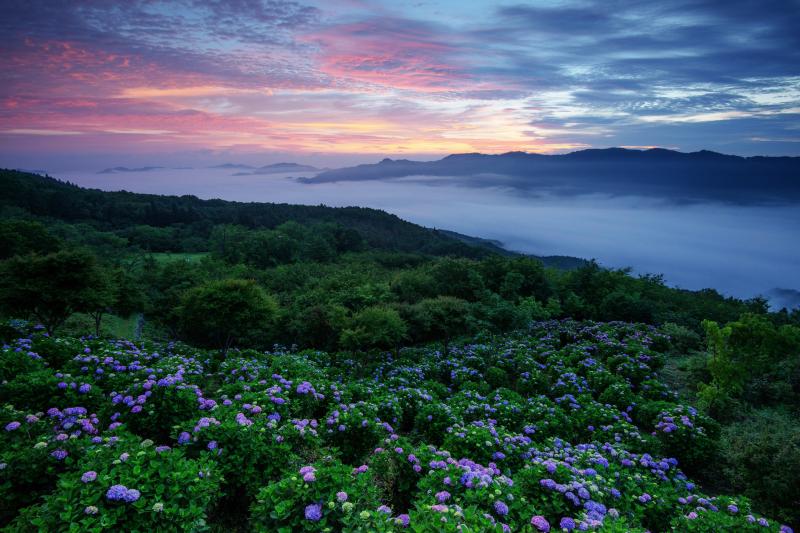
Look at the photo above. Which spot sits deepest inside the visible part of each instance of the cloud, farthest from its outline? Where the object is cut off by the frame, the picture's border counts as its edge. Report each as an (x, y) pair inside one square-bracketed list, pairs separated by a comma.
[(392, 78)]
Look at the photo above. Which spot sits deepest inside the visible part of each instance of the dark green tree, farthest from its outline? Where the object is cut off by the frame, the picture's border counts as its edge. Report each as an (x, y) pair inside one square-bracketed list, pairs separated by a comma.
[(221, 314), (445, 318), (19, 237), (377, 327), (459, 278), (52, 287)]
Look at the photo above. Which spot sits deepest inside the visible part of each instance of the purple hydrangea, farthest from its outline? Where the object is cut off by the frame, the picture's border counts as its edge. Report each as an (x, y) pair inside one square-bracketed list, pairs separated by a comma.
[(404, 520), (567, 523), (59, 455), (12, 426), (309, 474), (442, 496), (341, 496), (540, 523), (313, 512), (500, 508), (89, 476), (548, 484), (116, 493)]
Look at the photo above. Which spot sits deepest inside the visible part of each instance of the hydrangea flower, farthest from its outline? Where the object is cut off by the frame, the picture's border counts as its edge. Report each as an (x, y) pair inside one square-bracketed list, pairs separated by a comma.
[(122, 493), (313, 512), (12, 426), (116, 492), (500, 508), (89, 476), (59, 455), (567, 523), (308, 473), (540, 523)]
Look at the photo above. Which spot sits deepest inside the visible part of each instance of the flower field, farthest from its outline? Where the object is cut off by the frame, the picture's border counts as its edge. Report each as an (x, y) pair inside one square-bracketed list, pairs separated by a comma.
[(564, 427)]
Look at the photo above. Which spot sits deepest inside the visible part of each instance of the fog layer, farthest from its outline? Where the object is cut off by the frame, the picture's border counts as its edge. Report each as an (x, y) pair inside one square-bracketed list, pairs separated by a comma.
[(739, 250)]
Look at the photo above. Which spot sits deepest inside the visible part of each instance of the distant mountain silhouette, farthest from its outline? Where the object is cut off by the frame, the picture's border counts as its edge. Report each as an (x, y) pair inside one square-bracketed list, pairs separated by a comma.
[(668, 174), (232, 166), (276, 168), (114, 170)]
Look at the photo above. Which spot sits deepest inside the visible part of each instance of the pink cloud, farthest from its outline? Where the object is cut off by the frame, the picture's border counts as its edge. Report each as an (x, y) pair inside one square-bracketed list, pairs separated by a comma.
[(392, 53)]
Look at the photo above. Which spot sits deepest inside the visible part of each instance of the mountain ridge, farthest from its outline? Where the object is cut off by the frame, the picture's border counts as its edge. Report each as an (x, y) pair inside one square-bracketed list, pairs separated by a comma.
[(676, 176)]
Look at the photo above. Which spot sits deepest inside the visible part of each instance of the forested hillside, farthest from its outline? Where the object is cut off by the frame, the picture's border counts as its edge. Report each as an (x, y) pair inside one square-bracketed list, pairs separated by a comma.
[(172, 223)]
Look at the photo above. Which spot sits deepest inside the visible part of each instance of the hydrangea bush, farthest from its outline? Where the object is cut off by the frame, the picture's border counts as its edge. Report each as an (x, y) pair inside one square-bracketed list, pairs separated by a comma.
[(563, 427)]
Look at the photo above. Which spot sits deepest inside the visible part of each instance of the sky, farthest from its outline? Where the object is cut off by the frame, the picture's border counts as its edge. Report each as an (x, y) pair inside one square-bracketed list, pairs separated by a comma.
[(338, 82)]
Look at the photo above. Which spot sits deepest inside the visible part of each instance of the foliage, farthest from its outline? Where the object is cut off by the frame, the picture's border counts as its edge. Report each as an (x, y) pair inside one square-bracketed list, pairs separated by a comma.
[(374, 327), (552, 401), (51, 287), (761, 459), (565, 424), (221, 313)]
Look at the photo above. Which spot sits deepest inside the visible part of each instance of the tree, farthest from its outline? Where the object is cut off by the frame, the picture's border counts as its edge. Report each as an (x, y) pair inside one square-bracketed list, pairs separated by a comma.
[(318, 326), (446, 317), (318, 248), (51, 287), (114, 291), (100, 298), (220, 314), (374, 327), (19, 237), (228, 242), (413, 285), (267, 248), (459, 278), (499, 315)]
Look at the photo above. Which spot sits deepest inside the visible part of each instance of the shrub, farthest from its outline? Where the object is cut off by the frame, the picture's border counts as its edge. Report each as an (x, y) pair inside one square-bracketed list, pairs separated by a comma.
[(151, 489), (313, 497)]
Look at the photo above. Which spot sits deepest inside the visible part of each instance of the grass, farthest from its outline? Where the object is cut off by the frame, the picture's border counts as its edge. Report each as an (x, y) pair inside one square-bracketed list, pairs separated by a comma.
[(121, 328), (112, 325), (169, 257)]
